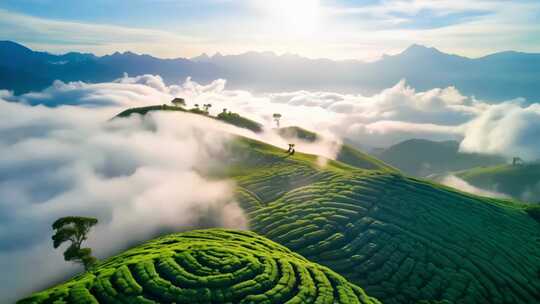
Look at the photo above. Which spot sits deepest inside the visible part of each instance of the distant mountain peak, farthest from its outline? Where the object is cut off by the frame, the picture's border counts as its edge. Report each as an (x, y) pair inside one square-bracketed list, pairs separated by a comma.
[(418, 49), (14, 46), (201, 58)]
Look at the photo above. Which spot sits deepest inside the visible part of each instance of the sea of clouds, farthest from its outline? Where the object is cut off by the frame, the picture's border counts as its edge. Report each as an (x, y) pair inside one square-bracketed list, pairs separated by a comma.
[(61, 154)]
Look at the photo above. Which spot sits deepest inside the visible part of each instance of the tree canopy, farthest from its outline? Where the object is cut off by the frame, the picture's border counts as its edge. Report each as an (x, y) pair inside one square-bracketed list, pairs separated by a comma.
[(74, 229)]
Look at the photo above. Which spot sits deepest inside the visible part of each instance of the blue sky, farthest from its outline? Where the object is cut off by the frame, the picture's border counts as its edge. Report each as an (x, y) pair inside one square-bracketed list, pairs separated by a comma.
[(337, 29)]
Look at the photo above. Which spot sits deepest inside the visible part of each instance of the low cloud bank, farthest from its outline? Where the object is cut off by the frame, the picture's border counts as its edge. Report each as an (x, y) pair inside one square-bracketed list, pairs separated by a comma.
[(508, 129), (138, 176), (460, 184), (395, 114)]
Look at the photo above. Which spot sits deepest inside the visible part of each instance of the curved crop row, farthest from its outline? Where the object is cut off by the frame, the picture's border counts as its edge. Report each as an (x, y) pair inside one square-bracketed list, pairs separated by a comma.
[(404, 240), (207, 266)]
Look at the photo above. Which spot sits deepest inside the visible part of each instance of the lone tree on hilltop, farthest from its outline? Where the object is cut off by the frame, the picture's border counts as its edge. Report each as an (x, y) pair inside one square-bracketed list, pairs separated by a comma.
[(178, 102), (276, 117), (74, 229)]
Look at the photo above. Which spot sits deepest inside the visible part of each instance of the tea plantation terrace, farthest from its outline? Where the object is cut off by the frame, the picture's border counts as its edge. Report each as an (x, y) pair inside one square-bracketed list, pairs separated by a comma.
[(207, 266)]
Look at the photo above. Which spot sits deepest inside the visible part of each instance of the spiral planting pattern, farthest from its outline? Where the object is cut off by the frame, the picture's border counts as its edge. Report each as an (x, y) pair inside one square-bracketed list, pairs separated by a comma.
[(403, 240), (207, 266)]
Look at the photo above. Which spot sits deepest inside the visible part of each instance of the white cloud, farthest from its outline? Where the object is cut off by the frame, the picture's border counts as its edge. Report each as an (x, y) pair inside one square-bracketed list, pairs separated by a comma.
[(461, 185), (509, 128), (138, 176)]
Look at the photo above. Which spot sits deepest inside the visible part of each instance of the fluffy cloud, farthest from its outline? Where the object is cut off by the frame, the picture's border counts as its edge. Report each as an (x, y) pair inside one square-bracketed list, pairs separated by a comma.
[(139, 177), (509, 129), (397, 113), (393, 115), (458, 183)]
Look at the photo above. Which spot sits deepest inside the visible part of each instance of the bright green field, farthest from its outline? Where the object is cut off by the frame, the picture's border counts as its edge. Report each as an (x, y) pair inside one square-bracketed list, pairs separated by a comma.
[(207, 266), (520, 182), (402, 239)]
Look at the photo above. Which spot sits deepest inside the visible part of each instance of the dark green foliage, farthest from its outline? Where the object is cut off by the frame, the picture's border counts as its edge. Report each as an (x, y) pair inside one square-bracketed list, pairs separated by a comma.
[(206, 266), (403, 240), (356, 158), (299, 133), (507, 179), (239, 121), (74, 229), (178, 102), (145, 110), (534, 212), (227, 117), (420, 157), (197, 111)]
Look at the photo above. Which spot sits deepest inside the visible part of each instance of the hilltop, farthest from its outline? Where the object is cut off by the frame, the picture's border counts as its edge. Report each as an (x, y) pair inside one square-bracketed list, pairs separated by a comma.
[(519, 181), (347, 154), (206, 266), (421, 157)]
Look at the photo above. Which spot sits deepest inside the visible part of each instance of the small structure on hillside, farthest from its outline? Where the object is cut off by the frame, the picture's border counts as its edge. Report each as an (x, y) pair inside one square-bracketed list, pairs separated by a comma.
[(178, 102), (290, 151), (517, 161)]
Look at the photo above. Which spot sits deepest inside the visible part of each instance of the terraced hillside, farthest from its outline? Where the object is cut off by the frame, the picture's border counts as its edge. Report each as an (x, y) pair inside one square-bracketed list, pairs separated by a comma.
[(403, 240), (207, 266), (520, 181)]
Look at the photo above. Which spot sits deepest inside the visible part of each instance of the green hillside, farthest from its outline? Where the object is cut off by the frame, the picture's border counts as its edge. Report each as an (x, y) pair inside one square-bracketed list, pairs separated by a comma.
[(347, 154), (420, 157), (206, 266), (146, 110), (520, 181), (402, 239), (227, 117)]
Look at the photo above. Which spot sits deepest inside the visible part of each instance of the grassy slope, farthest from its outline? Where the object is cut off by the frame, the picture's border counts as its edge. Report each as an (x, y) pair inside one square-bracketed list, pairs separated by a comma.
[(418, 157), (507, 179), (145, 110), (347, 154), (207, 266), (402, 239), (230, 118)]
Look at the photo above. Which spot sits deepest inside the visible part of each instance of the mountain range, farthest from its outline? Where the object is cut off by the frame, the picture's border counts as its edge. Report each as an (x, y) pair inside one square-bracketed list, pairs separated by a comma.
[(421, 157), (495, 77)]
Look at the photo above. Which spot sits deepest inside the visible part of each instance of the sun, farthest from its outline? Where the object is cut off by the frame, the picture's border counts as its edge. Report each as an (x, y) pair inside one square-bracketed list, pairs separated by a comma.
[(295, 16)]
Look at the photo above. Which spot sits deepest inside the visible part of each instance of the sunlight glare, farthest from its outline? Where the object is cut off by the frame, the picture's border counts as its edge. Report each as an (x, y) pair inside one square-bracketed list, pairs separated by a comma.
[(295, 16)]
